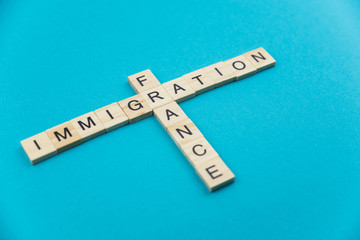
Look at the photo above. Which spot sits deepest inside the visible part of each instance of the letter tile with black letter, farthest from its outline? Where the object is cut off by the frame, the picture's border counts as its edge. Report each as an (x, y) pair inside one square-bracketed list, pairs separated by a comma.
[(143, 81), (241, 67), (183, 132), (179, 89), (215, 174), (200, 81), (156, 97), (169, 114), (221, 73), (88, 126), (64, 136), (135, 108), (260, 59), (112, 116), (198, 151), (38, 147)]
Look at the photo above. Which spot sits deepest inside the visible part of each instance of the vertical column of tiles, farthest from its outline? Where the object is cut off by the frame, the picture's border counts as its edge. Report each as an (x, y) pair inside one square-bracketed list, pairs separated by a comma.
[(181, 129), (135, 108), (207, 163)]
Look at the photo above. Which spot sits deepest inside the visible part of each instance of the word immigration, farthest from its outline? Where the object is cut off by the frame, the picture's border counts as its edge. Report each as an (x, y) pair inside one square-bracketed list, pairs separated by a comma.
[(161, 100)]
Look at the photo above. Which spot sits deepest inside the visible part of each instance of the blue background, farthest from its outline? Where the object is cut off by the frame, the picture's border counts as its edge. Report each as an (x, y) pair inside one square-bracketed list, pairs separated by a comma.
[(290, 134)]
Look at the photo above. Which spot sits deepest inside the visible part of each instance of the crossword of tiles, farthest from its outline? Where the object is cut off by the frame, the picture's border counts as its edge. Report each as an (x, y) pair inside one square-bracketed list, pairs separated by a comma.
[(161, 100)]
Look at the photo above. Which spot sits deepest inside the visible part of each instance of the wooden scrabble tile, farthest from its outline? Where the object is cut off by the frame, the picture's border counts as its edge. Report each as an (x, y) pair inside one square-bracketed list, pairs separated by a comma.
[(179, 89), (221, 73), (112, 116), (200, 81), (143, 81), (64, 136), (156, 97), (135, 108), (241, 66), (38, 147), (260, 59), (215, 174), (198, 151), (169, 114), (183, 132), (88, 126)]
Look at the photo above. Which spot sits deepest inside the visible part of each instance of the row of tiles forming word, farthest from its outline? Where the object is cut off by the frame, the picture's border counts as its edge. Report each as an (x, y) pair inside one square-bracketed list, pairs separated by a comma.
[(160, 100)]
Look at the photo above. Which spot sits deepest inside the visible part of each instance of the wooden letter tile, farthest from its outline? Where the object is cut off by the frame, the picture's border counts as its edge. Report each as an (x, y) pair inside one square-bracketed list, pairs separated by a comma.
[(198, 151), (156, 97), (179, 89), (112, 116), (64, 136), (169, 114), (215, 174), (221, 73), (38, 147), (135, 108), (241, 66), (88, 126), (183, 132), (200, 81), (260, 59), (143, 81)]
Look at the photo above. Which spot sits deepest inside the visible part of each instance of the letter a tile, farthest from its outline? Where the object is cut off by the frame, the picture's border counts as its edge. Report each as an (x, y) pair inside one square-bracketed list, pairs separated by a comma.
[(169, 114), (38, 147), (179, 89), (64, 136), (88, 126)]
